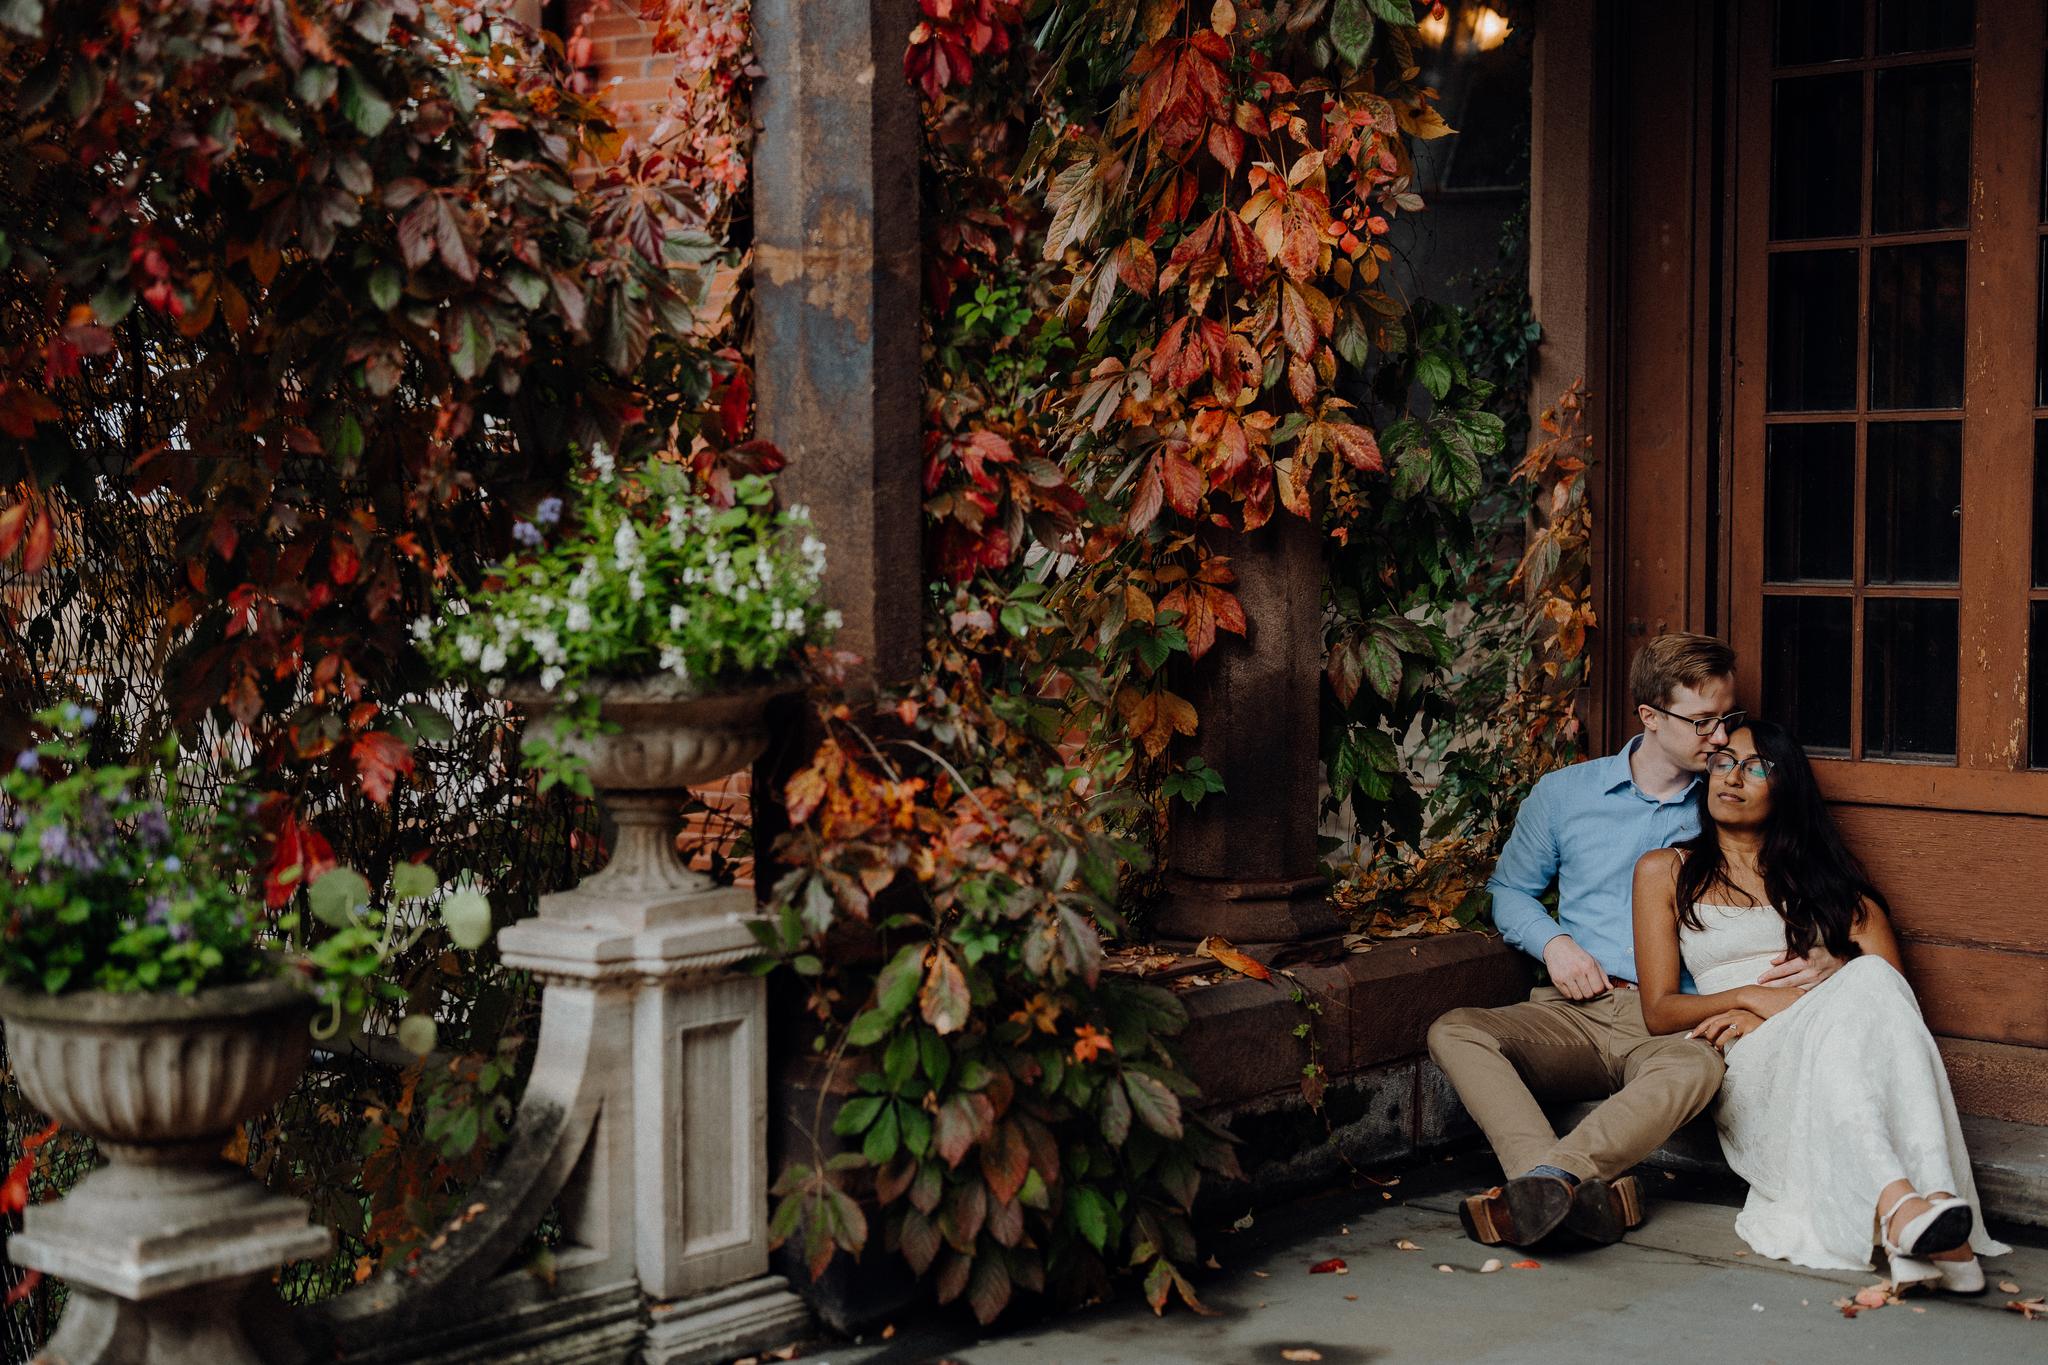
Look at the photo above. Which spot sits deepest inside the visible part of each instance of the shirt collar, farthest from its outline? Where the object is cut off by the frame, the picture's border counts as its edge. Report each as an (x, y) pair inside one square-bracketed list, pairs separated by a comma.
[(1616, 775)]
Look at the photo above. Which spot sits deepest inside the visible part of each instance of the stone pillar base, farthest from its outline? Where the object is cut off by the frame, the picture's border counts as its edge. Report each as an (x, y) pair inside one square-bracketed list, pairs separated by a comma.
[(742, 1319), (1293, 913), (162, 1262)]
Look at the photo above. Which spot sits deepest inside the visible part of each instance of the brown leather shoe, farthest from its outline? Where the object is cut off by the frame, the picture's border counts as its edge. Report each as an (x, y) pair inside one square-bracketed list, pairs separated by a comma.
[(1604, 1211), (1520, 1212)]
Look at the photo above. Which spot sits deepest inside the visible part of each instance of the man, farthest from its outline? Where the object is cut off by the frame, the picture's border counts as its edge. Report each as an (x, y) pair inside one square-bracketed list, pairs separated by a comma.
[(1582, 1036)]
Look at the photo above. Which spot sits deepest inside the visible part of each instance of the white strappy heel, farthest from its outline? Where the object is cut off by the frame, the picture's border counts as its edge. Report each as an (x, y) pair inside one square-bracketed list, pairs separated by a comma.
[(1945, 1226), (1961, 1277)]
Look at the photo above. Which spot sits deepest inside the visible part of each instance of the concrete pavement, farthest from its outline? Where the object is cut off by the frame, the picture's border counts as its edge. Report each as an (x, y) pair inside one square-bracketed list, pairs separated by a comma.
[(1682, 1288)]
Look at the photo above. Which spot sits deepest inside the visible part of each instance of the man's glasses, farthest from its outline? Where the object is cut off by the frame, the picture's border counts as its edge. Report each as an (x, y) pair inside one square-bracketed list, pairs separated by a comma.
[(1704, 725), (1755, 768)]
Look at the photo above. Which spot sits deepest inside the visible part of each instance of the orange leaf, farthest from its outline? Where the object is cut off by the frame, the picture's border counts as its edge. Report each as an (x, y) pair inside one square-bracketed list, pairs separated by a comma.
[(380, 759), (1525, 1265), (42, 537), (1220, 948)]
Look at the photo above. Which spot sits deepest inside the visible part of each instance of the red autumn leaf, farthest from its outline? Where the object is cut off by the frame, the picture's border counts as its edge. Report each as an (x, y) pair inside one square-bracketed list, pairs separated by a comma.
[(380, 759), (1334, 1266), (1248, 258), (1359, 448), (1525, 1265), (1136, 267), (1183, 482), (13, 526), (1226, 144), (1146, 499), (299, 854), (1306, 316), (42, 539)]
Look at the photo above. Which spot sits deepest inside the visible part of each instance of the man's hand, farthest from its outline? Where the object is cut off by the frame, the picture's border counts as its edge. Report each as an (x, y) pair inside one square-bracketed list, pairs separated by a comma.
[(1724, 1028), (1573, 970), (1801, 973)]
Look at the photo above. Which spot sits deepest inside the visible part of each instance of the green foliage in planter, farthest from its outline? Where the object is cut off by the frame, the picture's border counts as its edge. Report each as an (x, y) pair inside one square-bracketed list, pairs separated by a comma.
[(644, 576), (113, 883)]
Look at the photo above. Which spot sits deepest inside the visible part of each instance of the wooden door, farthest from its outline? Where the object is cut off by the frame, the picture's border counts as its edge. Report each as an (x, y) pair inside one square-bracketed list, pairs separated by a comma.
[(1888, 558)]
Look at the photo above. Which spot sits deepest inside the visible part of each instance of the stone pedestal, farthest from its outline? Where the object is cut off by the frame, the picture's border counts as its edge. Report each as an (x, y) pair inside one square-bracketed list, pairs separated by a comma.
[(681, 1189), (1244, 864), (166, 1264)]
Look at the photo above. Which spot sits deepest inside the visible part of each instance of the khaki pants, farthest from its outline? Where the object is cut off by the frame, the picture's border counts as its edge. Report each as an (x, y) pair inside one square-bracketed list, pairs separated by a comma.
[(1563, 1049)]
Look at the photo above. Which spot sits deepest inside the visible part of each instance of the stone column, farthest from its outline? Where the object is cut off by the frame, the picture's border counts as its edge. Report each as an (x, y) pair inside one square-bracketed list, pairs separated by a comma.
[(836, 346), (1244, 864)]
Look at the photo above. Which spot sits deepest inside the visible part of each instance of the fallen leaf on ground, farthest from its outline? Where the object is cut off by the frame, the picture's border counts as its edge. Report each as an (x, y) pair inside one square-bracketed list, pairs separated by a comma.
[(1351, 1298), (2008, 1287), (1405, 1245), (1492, 1264), (1873, 1296), (1448, 1270), (1849, 1310), (1213, 1263), (2029, 1308), (1334, 1266), (1220, 948), (1389, 1182), (1262, 1274), (889, 1331), (1525, 1265), (1300, 1353), (1241, 1224)]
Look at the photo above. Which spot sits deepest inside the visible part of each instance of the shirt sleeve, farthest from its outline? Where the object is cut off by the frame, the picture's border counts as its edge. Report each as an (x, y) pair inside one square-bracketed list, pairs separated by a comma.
[(1527, 867)]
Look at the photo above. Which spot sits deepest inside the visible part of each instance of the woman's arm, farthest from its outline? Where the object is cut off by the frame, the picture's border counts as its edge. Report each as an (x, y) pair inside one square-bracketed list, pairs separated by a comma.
[(1666, 1009)]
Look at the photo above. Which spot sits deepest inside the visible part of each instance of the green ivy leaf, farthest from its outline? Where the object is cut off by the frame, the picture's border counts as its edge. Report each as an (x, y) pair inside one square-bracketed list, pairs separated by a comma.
[(868, 1028), (1434, 373), (856, 1116), (1091, 1214), (1397, 12), (336, 893), (386, 284), (897, 985), (413, 881), (466, 914), (883, 1137), (1351, 30), (416, 1033), (1156, 1107), (369, 111)]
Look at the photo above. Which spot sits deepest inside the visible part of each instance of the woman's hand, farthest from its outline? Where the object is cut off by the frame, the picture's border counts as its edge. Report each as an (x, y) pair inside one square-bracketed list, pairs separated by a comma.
[(1724, 1028), (1765, 1001)]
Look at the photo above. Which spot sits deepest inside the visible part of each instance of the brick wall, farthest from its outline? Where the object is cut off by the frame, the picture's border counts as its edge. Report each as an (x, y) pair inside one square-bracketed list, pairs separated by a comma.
[(633, 78)]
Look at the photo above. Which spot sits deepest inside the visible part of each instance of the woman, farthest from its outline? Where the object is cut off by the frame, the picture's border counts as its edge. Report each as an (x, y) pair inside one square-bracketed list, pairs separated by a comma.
[(1836, 1108)]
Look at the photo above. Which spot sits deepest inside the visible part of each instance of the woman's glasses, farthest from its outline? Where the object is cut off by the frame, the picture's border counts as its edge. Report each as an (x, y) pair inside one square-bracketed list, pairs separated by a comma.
[(1755, 768)]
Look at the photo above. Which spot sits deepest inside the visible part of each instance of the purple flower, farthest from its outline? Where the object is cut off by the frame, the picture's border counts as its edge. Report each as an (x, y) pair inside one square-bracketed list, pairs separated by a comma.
[(26, 760), (56, 841), (527, 534), (159, 910), (180, 932), (549, 512), (87, 716), (173, 863), (152, 827)]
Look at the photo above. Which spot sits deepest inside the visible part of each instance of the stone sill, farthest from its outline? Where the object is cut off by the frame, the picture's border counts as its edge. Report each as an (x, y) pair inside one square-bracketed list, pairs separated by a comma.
[(1377, 1006)]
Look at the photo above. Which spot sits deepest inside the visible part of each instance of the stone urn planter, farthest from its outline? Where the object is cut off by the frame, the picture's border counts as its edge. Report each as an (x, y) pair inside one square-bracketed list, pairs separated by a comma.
[(667, 738), (164, 1245)]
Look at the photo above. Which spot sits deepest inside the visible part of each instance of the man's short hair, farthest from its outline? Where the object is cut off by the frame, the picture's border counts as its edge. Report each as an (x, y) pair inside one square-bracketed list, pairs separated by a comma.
[(1669, 662)]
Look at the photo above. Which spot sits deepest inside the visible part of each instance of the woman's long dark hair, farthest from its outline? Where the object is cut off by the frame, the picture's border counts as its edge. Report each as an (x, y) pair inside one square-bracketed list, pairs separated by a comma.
[(1812, 878)]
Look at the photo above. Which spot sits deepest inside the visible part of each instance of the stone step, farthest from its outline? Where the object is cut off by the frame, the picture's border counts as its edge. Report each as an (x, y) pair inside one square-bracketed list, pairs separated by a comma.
[(2010, 1160)]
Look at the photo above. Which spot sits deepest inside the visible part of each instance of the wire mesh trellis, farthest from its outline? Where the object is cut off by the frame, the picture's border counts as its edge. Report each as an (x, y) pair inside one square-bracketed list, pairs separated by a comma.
[(91, 626)]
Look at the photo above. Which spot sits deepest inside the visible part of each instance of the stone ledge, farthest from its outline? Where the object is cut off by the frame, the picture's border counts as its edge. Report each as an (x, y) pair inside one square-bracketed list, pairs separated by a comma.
[(1377, 1007)]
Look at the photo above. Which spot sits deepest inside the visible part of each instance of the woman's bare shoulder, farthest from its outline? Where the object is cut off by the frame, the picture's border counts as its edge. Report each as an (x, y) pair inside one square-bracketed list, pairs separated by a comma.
[(1666, 860)]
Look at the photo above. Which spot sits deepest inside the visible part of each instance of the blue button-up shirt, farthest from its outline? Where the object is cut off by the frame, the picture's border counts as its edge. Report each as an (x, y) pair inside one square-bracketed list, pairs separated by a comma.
[(1584, 827)]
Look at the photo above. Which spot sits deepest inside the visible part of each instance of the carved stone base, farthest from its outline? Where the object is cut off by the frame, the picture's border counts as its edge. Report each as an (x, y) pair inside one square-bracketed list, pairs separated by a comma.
[(742, 1319), (166, 1264)]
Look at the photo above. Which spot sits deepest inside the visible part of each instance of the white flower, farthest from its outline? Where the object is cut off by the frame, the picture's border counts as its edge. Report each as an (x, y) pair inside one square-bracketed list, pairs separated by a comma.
[(672, 661), (799, 513), (833, 620), (739, 593), (678, 616), (546, 645), (795, 620), (601, 461), (422, 628), (579, 617), (634, 587), (548, 678), (625, 546), (469, 647), (493, 660)]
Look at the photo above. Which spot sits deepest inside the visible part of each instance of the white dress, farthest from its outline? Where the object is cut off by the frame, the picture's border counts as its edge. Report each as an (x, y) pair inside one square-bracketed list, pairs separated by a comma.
[(1830, 1100)]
